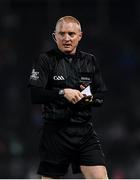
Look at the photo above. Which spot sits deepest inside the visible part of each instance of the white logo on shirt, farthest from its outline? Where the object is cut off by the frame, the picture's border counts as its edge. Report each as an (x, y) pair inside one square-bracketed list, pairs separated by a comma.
[(85, 78), (34, 75), (58, 78)]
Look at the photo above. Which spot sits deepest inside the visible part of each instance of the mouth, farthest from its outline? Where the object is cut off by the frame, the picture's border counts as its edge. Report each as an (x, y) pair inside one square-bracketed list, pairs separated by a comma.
[(67, 45)]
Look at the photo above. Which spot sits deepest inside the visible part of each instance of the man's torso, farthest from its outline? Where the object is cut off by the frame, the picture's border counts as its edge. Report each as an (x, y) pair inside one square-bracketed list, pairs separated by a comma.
[(68, 72)]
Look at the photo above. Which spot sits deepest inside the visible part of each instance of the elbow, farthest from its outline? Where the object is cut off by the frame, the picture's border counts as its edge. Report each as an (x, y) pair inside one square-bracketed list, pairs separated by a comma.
[(33, 100), (33, 96), (98, 102)]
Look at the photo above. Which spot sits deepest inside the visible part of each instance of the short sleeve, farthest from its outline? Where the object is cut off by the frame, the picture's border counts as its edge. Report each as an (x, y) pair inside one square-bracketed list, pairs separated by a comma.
[(40, 72)]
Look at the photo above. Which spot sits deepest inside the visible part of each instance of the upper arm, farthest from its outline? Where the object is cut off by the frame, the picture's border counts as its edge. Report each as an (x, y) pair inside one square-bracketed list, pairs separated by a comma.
[(98, 84), (40, 72)]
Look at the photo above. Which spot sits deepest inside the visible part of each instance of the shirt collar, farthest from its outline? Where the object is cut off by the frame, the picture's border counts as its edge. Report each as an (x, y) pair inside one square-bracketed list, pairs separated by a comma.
[(60, 53)]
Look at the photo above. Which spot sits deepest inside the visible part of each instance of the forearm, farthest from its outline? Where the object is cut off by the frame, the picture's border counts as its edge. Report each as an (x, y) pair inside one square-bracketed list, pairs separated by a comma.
[(41, 96)]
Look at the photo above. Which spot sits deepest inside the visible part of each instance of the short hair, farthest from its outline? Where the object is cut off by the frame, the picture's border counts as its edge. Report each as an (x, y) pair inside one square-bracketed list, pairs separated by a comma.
[(68, 19)]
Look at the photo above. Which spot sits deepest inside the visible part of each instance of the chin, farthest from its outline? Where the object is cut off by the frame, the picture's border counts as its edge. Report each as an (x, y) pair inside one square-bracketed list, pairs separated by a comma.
[(67, 51)]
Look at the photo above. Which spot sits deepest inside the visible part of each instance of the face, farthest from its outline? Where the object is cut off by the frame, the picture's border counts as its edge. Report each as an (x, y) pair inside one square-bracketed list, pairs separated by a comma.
[(67, 37)]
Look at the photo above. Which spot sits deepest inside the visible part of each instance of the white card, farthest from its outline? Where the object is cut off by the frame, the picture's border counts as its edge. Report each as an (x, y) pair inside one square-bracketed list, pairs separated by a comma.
[(87, 91)]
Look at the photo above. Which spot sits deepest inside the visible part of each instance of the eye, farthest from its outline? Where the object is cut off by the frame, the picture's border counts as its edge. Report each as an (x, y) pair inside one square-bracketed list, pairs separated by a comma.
[(71, 34), (62, 33)]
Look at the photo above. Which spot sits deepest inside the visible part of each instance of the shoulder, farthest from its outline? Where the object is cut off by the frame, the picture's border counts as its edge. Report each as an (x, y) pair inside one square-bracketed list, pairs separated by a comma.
[(88, 56), (46, 56)]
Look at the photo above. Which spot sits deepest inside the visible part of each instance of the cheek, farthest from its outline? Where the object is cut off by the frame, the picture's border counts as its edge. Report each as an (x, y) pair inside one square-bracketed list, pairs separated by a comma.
[(58, 42), (76, 41)]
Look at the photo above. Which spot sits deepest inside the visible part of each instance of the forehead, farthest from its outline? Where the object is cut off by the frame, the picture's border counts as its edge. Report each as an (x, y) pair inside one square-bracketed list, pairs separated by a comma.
[(67, 27)]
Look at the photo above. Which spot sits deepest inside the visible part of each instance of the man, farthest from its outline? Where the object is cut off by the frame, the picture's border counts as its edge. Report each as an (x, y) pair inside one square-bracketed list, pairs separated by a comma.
[(68, 82)]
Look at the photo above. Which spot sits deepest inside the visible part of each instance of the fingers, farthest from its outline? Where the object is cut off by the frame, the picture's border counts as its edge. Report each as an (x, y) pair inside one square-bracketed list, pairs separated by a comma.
[(73, 95), (82, 87), (77, 97), (88, 98)]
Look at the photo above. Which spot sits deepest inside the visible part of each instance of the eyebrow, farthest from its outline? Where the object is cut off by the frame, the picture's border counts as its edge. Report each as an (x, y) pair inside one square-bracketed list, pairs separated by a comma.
[(66, 32)]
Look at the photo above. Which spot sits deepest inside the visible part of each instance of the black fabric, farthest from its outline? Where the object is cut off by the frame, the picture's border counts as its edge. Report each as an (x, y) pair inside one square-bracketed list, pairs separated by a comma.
[(64, 145), (56, 70), (40, 95)]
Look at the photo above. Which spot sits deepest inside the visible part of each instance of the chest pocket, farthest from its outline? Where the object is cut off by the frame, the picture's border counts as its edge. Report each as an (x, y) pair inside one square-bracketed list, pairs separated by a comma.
[(85, 78)]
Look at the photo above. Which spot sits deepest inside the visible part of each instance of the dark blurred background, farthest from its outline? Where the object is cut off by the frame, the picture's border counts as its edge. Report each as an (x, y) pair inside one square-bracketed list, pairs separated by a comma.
[(111, 31)]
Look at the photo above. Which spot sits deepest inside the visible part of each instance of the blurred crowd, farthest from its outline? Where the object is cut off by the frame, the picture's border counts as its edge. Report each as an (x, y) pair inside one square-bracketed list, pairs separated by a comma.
[(111, 33)]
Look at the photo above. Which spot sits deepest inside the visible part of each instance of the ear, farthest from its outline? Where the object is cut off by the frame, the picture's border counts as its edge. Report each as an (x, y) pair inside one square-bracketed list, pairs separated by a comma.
[(80, 35), (53, 36)]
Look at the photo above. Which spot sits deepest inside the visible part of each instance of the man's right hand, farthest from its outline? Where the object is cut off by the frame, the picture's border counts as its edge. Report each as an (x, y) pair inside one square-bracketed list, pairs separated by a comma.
[(73, 95)]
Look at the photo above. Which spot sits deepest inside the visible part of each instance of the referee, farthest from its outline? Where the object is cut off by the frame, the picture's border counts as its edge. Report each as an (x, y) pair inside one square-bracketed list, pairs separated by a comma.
[(68, 83)]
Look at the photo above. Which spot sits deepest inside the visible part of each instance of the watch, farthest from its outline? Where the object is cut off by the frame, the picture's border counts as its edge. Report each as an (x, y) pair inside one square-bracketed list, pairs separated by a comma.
[(61, 92)]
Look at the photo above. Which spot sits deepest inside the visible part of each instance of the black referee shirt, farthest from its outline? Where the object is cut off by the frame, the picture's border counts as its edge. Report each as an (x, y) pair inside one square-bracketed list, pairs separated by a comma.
[(56, 70)]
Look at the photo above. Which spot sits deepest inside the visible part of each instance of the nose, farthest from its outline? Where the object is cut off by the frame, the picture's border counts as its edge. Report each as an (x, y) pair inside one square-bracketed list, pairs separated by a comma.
[(67, 37)]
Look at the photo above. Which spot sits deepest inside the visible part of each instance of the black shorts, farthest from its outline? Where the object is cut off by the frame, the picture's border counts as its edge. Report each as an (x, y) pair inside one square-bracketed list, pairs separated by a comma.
[(62, 146)]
